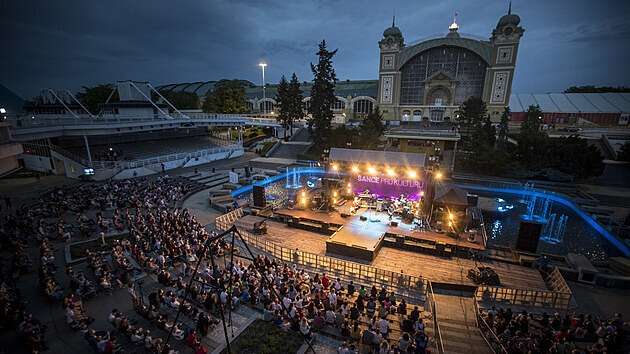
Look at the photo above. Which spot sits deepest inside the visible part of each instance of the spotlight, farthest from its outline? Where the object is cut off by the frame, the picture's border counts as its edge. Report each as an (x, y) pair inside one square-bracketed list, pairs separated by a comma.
[(371, 170), (303, 200), (438, 175), (450, 216), (334, 167), (303, 194), (335, 194), (450, 224), (422, 193), (355, 169), (348, 190), (412, 174), (391, 172), (334, 201), (349, 185)]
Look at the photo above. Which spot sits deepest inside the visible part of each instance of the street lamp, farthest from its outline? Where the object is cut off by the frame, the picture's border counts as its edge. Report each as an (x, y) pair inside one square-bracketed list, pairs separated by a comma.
[(262, 65)]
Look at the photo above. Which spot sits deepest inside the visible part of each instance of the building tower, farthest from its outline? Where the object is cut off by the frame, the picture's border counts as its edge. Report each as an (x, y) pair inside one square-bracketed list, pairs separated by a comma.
[(505, 39), (389, 76)]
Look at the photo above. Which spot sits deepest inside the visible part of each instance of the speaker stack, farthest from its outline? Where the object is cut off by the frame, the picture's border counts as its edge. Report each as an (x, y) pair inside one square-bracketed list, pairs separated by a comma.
[(259, 197), (528, 236)]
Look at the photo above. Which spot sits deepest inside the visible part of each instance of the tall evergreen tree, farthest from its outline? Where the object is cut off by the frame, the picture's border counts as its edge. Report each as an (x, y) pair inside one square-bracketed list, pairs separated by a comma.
[(372, 128), (532, 143), (473, 113), (283, 104), (227, 96), (532, 121), (503, 129), (296, 104), (322, 96)]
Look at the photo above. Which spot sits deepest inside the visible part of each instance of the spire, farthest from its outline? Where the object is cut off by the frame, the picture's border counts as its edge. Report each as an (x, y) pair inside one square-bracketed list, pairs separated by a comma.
[(454, 26), (394, 21), (510, 8)]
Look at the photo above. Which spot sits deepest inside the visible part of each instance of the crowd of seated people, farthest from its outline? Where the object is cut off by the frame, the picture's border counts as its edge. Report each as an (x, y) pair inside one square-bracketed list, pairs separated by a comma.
[(524, 332)]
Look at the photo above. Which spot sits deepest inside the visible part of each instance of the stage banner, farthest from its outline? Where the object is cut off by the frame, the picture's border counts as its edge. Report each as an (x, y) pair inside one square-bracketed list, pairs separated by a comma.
[(384, 186)]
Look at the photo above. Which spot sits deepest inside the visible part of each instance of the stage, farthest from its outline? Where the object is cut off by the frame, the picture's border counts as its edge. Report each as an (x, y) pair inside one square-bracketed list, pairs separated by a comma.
[(353, 237)]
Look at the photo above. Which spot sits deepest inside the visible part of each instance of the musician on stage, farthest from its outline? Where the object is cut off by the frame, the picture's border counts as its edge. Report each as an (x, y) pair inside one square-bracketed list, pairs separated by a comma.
[(354, 206), (390, 211)]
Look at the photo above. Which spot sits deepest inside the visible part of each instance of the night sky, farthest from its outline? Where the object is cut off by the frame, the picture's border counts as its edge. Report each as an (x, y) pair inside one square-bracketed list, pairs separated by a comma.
[(67, 44)]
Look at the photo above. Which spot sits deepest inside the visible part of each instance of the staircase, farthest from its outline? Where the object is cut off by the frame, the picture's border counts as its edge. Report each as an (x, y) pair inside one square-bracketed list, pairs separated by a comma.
[(456, 318)]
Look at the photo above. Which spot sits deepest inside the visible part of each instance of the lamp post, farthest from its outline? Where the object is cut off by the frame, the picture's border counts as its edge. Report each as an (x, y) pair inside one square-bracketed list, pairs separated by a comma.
[(262, 65)]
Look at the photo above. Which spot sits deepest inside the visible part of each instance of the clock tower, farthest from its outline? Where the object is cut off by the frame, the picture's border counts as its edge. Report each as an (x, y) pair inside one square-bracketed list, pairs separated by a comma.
[(389, 76), (505, 39)]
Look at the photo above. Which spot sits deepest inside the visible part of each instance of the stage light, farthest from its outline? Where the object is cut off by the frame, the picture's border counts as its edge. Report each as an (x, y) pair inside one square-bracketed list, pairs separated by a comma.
[(335, 194), (349, 185), (422, 193), (391, 172), (355, 169), (334, 167), (450, 224), (412, 174), (348, 190), (334, 201), (303, 200), (371, 170), (438, 175), (303, 194), (450, 216)]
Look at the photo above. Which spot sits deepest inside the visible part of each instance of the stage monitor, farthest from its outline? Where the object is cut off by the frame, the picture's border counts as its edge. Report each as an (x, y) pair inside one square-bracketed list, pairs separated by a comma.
[(88, 171), (528, 236), (259, 197)]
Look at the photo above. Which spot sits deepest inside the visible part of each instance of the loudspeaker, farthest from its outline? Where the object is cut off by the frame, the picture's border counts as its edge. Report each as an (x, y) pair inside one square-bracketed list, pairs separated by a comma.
[(528, 236), (394, 223), (363, 218), (472, 199), (344, 215), (259, 197)]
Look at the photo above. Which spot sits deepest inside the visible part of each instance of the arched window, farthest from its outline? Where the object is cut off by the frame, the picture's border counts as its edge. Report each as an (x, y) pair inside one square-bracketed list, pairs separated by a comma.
[(338, 105), (361, 108), (464, 65), (406, 115), (249, 105), (439, 97), (417, 115)]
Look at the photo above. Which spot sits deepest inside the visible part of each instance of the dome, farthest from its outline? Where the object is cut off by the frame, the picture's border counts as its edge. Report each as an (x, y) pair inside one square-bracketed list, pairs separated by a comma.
[(393, 31), (509, 19)]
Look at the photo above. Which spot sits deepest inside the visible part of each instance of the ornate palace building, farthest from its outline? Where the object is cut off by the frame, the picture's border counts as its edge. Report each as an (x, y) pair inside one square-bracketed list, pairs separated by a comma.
[(429, 79)]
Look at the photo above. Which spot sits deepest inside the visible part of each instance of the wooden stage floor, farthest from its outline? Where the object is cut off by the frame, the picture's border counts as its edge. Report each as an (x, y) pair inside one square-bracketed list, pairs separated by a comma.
[(367, 234)]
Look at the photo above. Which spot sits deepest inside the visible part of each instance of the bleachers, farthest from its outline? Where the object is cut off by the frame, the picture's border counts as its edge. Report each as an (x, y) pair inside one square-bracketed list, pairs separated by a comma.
[(152, 148)]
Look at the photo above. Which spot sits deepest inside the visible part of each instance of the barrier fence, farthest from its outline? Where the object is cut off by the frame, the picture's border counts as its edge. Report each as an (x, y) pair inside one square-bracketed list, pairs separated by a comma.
[(489, 336), (559, 297), (415, 289)]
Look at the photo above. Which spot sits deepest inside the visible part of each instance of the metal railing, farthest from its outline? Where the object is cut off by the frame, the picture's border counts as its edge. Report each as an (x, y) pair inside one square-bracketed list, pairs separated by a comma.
[(488, 335), (148, 162), (408, 286)]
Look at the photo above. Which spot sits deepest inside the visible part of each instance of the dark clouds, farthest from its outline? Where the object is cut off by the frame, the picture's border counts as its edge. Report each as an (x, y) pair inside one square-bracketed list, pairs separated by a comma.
[(67, 44)]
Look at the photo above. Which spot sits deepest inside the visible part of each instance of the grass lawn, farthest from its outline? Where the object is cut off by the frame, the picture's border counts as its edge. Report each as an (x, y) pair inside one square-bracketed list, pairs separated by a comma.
[(268, 145), (262, 337), (78, 250)]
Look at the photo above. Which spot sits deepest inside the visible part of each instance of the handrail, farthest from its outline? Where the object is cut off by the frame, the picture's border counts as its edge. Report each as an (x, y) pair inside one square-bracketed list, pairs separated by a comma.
[(436, 325), (407, 285), (482, 330)]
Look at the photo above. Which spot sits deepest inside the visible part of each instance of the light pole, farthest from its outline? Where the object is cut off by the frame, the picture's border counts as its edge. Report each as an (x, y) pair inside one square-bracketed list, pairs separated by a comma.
[(262, 65)]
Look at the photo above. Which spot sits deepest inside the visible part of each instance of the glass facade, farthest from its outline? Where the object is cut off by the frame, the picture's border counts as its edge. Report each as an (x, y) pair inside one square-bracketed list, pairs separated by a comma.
[(463, 65)]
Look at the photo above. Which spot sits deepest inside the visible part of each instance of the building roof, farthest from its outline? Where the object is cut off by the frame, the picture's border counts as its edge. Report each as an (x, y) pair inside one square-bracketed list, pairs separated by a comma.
[(10, 101), (610, 102), (353, 88), (385, 158), (393, 31), (482, 48), (450, 194)]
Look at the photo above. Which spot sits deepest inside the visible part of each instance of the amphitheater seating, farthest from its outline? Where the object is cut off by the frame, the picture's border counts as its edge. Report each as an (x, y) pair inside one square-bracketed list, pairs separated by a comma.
[(153, 148)]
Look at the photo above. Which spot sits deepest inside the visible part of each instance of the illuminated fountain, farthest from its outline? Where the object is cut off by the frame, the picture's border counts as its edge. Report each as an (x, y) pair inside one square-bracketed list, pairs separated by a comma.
[(553, 232), (293, 179)]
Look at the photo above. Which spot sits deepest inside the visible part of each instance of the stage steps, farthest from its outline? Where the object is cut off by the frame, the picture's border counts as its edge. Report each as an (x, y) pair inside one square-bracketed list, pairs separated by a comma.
[(456, 318)]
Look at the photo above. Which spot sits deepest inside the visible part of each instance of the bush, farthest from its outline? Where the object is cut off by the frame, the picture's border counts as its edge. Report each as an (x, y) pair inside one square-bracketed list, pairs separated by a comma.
[(268, 145)]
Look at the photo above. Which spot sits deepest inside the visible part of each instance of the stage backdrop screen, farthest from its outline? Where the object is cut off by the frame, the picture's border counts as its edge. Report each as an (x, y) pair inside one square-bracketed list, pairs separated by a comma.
[(386, 186)]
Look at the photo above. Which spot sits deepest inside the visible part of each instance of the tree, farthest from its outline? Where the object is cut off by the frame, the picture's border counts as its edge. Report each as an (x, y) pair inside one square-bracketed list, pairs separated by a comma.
[(473, 113), (227, 96), (283, 106), (322, 96), (531, 141), (503, 129), (179, 99), (91, 97), (371, 128), (296, 105), (593, 89)]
